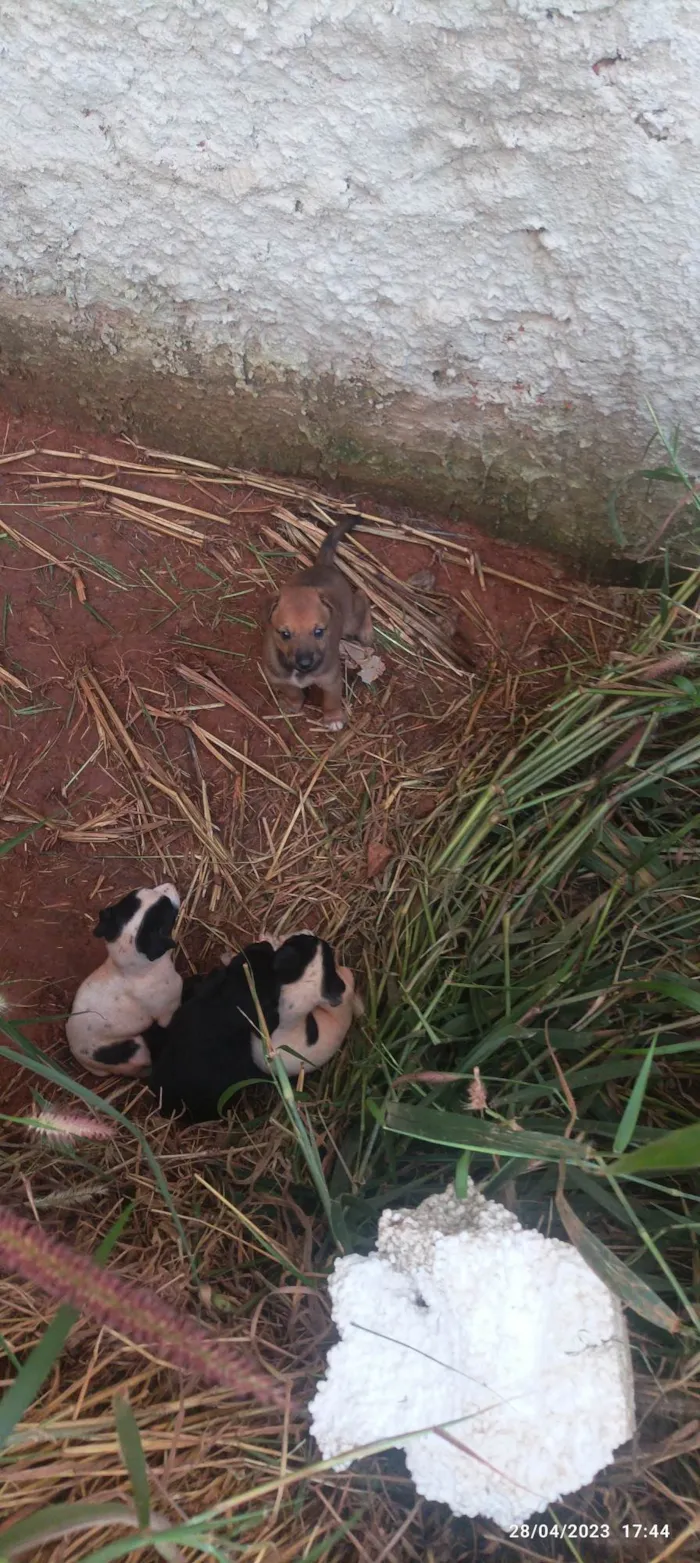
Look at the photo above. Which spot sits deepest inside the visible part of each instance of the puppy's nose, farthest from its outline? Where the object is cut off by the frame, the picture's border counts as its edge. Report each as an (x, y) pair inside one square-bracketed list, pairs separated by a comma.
[(304, 660)]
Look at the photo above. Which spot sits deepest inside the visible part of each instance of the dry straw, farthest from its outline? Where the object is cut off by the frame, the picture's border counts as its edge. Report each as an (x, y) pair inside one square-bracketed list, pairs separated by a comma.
[(130, 1310), (387, 829)]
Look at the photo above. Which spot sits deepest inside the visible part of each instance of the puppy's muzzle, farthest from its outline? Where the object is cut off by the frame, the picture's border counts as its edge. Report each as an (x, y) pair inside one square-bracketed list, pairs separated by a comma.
[(305, 661)]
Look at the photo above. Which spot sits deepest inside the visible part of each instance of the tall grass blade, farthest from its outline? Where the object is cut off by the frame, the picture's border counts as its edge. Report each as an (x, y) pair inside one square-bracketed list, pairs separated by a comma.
[(162, 1541), (678, 1151), (35, 1370), (133, 1457), (628, 1122), (304, 1139), (16, 841), (633, 1292), (59, 1520), (467, 1133)]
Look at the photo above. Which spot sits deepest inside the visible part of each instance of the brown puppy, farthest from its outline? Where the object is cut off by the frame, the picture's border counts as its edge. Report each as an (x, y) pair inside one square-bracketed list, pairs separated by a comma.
[(307, 622)]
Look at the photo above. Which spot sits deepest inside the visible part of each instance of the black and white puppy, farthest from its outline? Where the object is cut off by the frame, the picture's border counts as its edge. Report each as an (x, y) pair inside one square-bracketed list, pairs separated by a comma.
[(214, 1041), (135, 986)]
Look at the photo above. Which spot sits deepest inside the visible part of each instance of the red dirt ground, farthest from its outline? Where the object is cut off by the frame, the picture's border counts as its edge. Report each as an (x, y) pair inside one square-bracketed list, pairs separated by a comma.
[(170, 603)]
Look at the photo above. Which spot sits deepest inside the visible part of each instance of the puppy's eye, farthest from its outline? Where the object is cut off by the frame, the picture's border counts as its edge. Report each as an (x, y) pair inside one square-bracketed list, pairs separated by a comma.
[(319, 632), (285, 634)]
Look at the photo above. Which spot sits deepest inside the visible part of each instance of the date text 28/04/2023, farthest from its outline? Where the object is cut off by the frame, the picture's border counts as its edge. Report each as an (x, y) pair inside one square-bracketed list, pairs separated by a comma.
[(584, 1532)]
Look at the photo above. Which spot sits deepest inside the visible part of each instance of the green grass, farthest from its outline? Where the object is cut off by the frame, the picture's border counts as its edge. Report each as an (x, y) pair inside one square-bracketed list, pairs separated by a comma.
[(551, 941), (546, 934), (679, 527)]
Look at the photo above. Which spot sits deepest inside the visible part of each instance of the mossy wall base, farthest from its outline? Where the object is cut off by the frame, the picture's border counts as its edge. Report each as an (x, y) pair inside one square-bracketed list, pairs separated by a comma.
[(536, 482)]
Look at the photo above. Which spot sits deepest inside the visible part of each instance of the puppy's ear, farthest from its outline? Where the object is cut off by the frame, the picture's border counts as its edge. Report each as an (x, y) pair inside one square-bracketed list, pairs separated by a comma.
[(153, 937), (292, 958), (327, 603), (113, 919), (107, 925), (333, 984), (269, 606)]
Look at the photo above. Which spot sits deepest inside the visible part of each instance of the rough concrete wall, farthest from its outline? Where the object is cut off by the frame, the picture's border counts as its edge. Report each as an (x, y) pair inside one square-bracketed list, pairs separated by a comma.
[(455, 240)]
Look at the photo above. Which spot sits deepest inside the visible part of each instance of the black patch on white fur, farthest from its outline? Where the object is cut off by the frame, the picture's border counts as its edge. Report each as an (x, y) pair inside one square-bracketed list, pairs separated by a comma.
[(153, 937), (311, 1031), (115, 1052), (293, 957), (333, 985), (113, 919)]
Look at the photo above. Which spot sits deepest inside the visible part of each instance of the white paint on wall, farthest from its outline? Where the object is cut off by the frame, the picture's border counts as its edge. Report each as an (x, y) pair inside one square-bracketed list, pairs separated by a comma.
[(488, 204)]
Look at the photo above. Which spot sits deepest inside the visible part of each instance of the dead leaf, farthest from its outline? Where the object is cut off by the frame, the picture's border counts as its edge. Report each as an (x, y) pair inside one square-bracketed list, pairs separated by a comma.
[(423, 580), (425, 806), (369, 665), (378, 855), (372, 669), (37, 624)]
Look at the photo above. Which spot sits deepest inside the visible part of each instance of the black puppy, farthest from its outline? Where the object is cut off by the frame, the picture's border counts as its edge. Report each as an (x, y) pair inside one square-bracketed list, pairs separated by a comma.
[(213, 1040)]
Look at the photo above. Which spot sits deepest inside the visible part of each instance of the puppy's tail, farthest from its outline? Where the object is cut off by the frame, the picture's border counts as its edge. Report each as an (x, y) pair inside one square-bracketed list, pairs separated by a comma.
[(327, 551)]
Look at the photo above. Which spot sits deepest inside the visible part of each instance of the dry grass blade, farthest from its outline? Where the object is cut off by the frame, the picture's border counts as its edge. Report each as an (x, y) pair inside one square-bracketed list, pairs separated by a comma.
[(69, 567), (218, 747), (155, 523), (319, 502), (98, 830), (36, 548), (215, 745), (15, 683), (322, 503), (303, 800), (182, 461), (109, 725), (76, 1280), (17, 455), (119, 464), (220, 858), (132, 494), (480, 619), (115, 736), (214, 686)]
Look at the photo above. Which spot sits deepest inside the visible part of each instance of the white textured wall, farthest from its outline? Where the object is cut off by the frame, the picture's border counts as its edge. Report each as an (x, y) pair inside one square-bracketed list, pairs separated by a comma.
[(486, 213)]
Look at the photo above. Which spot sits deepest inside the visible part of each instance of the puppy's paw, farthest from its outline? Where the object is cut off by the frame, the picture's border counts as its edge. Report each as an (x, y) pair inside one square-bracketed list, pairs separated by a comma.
[(334, 721), (291, 701)]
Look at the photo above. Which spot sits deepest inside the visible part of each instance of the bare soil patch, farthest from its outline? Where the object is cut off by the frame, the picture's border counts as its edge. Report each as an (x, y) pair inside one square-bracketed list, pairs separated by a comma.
[(131, 605)]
